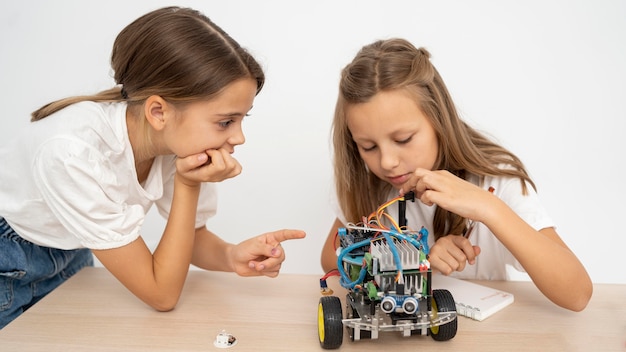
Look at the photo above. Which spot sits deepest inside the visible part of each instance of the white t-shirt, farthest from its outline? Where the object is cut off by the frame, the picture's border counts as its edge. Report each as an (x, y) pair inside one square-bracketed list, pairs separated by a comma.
[(492, 261), (69, 181)]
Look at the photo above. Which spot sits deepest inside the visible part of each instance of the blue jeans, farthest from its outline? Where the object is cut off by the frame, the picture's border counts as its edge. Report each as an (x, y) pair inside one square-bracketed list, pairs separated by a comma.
[(28, 272)]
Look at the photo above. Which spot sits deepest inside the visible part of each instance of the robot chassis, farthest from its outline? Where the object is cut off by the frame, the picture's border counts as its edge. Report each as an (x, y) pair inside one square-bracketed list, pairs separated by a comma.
[(388, 278)]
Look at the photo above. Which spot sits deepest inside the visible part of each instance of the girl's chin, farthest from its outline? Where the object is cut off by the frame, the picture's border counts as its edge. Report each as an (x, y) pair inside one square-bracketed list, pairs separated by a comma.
[(394, 185)]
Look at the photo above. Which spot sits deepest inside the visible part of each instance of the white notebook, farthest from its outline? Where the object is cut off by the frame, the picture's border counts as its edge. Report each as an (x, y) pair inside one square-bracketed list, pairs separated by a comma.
[(472, 300)]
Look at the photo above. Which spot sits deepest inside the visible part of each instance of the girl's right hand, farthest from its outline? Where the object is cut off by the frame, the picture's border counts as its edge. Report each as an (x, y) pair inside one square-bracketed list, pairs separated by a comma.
[(263, 254), (214, 165), (451, 253)]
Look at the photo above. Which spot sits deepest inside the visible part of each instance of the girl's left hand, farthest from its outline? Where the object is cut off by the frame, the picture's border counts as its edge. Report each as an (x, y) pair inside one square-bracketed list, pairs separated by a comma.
[(452, 253), (213, 165), (262, 255), (449, 192)]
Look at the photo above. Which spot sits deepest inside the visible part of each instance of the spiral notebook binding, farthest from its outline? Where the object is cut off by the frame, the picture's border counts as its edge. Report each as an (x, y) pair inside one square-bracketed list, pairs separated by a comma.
[(468, 311)]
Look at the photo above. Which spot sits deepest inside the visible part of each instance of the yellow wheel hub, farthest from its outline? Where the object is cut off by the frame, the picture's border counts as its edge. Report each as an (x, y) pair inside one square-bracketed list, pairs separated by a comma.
[(320, 321), (434, 329)]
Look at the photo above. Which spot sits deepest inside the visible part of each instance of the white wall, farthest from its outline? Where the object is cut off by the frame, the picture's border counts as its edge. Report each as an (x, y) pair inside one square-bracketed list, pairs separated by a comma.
[(547, 78)]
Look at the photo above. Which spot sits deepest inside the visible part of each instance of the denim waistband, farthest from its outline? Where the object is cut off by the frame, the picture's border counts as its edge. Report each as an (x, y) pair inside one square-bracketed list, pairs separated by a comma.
[(4, 226), (6, 231)]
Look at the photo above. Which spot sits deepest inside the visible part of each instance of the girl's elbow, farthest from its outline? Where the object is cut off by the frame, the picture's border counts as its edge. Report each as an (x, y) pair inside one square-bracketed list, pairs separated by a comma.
[(164, 304), (578, 302), (578, 306), (583, 299), (164, 308)]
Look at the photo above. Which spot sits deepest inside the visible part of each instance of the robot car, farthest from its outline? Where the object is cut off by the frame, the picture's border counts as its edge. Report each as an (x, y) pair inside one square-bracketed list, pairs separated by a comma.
[(388, 277)]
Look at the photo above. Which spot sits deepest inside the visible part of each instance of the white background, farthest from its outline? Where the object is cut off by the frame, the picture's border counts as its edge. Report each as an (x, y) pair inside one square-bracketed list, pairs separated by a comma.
[(546, 78)]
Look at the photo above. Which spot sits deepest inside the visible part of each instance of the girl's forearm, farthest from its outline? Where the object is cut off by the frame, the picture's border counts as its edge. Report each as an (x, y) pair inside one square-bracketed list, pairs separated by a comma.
[(552, 266), (211, 252), (172, 256)]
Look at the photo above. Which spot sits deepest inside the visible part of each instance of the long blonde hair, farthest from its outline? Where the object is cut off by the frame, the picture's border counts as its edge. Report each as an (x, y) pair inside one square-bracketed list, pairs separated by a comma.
[(396, 64)]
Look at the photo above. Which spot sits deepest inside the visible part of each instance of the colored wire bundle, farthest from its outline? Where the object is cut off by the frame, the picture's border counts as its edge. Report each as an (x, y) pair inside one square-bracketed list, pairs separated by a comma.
[(375, 223)]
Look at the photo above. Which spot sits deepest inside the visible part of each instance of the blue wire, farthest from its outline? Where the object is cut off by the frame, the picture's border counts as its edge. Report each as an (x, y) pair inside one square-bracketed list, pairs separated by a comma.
[(345, 280), (422, 244)]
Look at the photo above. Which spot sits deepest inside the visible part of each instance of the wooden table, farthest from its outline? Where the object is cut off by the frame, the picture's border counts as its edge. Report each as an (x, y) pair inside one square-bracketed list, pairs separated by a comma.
[(94, 312)]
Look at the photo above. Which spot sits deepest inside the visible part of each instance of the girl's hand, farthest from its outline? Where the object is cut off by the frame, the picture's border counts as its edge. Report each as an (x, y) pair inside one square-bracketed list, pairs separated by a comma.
[(451, 253), (214, 165), (262, 255), (450, 192)]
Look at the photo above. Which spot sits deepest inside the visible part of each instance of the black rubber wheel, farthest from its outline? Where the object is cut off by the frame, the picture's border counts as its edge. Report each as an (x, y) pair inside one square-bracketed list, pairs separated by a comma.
[(443, 301), (329, 325)]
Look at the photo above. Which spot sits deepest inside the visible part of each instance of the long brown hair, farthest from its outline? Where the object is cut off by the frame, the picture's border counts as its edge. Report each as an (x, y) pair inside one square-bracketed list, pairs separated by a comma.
[(176, 53), (396, 64)]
